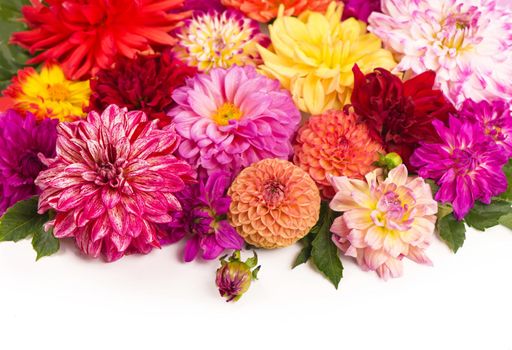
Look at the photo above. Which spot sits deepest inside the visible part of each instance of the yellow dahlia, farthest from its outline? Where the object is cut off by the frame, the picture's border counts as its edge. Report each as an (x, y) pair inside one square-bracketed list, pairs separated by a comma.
[(49, 94), (273, 203), (334, 143), (313, 56)]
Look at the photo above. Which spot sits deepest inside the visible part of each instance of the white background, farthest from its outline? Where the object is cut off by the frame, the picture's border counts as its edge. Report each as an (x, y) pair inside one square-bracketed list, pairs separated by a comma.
[(157, 302)]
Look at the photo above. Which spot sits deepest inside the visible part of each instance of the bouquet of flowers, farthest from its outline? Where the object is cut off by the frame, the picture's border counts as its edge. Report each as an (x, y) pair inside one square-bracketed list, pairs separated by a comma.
[(358, 128)]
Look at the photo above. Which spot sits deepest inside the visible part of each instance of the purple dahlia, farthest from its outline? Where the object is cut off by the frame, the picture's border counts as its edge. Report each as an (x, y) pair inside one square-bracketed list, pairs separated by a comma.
[(203, 218), (22, 139), (465, 165)]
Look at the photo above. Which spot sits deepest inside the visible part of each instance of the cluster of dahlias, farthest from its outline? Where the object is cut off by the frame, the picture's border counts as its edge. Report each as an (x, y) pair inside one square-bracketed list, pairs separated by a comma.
[(143, 123)]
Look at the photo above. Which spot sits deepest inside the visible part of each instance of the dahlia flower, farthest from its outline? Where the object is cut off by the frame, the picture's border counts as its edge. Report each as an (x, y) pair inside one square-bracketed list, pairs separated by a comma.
[(232, 118), (399, 114), (48, 94), (335, 143), (219, 40), (313, 56), (494, 117), (273, 203), (266, 10), (384, 220), (21, 140), (85, 36), (360, 9), (465, 165), (144, 83), (112, 182), (468, 43), (203, 217)]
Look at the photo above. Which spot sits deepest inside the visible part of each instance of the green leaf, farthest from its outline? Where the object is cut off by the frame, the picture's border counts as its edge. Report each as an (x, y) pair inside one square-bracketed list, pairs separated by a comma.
[(453, 232), (305, 253), (506, 220), (507, 169), (21, 221), (324, 251), (483, 216), (12, 57), (45, 243)]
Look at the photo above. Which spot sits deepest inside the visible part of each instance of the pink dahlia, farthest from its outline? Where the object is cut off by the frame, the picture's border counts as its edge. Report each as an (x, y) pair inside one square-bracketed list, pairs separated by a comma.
[(231, 118), (468, 43), (384, 220), (112, 182)]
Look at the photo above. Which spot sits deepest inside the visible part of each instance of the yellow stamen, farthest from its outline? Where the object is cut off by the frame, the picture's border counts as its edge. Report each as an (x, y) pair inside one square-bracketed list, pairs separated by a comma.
[(225, 113)]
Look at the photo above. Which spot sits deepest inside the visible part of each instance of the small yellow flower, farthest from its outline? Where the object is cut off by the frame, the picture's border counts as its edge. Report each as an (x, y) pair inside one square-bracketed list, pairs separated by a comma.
[(49, 94), (313, 55)]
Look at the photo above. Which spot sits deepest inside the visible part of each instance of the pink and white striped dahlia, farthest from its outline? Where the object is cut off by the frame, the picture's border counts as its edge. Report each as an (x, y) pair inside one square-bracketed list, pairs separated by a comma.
[(468, 43), (112, 182), (231, 118)]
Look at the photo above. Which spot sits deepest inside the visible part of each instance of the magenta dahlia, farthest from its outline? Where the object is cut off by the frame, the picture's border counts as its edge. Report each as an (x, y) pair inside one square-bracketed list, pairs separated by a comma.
[(494, 117), (112, 182), (21, 140), (465, 165), (231, 118)]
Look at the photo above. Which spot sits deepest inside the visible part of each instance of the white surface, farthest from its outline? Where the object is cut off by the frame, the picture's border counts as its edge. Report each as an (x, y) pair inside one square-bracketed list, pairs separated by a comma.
[(157, 302)]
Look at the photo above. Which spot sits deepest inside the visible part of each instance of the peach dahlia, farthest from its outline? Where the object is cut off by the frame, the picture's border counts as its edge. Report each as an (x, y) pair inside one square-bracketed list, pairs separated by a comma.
[(273, 203)]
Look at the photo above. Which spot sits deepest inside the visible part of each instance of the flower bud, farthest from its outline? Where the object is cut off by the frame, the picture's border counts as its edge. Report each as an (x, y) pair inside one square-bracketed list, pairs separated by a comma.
[(234, 277), (389, 161)]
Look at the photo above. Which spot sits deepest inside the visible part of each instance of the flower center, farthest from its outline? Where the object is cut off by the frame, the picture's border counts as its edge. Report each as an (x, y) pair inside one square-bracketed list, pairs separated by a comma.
[(204, 222), (273, 193), (58, 92), (393, 212), (464, 161), (458, 32), (30, 165), (226, 113), (110, 171)]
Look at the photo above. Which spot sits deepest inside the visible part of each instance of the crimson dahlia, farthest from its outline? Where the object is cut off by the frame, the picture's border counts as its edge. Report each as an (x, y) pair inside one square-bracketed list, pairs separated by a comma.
[(399, 114), (144, 83)]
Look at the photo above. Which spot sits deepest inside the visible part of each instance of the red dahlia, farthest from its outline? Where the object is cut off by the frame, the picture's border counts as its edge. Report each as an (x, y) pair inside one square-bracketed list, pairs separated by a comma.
[(399, 114), (144, 83), (86, 35)]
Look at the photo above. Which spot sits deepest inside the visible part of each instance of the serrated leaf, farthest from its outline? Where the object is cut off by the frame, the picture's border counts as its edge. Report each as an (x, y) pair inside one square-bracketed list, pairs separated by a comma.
[(506, 220), (484, 216), (507, 169), (21, 220), (453, 232), (45, 243), (324, 252)]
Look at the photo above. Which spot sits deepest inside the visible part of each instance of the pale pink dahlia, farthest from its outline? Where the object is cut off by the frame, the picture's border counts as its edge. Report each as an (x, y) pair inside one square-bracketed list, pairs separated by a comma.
[(468, 43), (231, 118), (384, 220), (112, 182)]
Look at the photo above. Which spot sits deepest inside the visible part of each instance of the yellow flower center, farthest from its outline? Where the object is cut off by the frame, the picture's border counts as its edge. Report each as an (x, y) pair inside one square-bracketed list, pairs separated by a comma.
[(58, 92), (227, 112)]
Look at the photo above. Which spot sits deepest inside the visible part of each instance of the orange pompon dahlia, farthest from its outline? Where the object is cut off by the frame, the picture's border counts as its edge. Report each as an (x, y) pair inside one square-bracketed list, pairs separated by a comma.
[(335, 143), (85, 36), (266, 10), (273, 203)]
